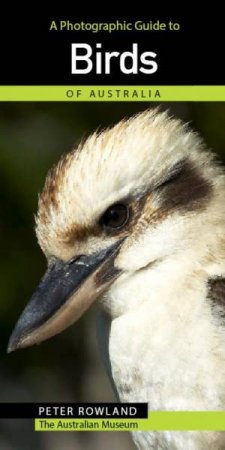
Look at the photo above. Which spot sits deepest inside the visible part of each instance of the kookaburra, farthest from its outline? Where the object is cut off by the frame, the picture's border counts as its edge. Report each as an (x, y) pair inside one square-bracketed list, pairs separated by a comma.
[(134, 219)]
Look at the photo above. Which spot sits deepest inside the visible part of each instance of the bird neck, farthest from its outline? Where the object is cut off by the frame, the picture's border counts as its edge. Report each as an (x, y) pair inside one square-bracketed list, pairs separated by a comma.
[(158, 284), (168, 329)]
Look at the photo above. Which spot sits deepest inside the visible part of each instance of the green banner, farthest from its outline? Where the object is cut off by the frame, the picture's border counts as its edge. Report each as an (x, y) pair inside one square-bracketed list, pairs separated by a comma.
[(157, 420), (112, 93)]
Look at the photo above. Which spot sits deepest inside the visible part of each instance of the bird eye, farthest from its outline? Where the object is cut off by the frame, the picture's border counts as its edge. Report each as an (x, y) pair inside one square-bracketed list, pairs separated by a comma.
[(115, 217)]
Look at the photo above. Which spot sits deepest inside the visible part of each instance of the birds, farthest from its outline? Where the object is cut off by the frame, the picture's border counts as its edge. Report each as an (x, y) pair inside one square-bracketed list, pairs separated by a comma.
[(133, 219)]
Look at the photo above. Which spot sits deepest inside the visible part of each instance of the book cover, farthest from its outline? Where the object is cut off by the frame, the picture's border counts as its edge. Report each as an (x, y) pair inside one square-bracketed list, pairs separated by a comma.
[(112, 246)]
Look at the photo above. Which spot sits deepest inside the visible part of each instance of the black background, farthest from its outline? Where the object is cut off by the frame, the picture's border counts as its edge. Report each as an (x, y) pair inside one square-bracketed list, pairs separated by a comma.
[(31, 410), (31, 54)]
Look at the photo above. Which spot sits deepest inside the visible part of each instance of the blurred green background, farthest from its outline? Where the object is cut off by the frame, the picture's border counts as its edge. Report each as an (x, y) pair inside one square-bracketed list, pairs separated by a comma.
[(68, 367)]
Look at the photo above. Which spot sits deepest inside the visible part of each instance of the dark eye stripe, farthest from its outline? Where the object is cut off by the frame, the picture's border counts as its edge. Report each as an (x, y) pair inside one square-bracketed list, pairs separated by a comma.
[(187, 189)]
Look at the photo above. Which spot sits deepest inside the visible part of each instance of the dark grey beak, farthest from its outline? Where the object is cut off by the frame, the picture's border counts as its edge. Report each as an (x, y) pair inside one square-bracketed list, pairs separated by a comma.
[(63, 295)]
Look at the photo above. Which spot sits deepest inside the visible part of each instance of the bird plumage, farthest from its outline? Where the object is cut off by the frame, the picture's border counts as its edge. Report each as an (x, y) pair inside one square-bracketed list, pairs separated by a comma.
[(167, 335)]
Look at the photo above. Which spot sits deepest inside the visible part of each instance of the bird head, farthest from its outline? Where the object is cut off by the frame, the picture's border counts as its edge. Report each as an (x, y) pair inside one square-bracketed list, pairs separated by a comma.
[(127, 198)]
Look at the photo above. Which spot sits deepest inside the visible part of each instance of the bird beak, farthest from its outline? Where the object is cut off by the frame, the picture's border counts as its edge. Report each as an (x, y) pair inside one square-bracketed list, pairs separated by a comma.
[(63, 295)]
